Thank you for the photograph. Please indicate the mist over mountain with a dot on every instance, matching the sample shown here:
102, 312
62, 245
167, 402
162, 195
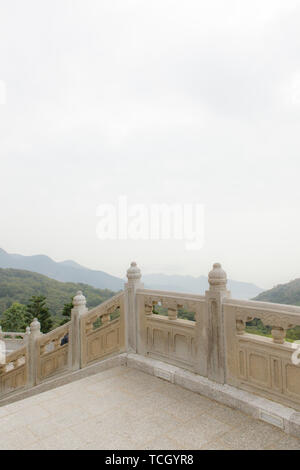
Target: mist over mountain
65, 271
198, 285
70, 271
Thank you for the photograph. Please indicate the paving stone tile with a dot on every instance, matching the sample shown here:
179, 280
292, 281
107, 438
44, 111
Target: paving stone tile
285, 442
124, 408
65, 440
149, 428
18, 439
198, 431
229, 416
253, 436
26, 416
45, 428
106, 374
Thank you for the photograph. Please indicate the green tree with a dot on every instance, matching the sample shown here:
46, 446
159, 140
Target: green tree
37, 308
66, 313
14, 318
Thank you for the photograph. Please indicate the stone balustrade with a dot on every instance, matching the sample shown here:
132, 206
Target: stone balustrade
13, 340
103, 330
212, 343
257, 363
52, 351
13, 373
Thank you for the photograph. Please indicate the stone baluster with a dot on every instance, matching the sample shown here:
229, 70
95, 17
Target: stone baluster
16, 362
57, 342
79, 308
43, 348
240, 326
278, 334
105, 318
148, 306
172, 307
89, 326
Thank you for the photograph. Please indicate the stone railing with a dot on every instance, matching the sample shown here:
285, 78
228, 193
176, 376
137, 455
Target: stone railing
167, 337
13, 374
102, 330
53, 352
88, 337
258, 363
13, 340
214, 344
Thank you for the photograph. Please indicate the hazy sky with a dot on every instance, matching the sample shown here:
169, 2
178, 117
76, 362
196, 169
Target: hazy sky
161, 101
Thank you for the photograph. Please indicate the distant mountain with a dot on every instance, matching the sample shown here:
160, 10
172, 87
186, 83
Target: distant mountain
65, 271
70, 271
18, 286
197, 285
288, 293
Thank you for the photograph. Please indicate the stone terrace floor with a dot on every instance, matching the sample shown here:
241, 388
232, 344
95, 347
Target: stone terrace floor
123, 408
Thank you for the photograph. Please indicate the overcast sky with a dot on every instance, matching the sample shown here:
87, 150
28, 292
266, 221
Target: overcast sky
161, 101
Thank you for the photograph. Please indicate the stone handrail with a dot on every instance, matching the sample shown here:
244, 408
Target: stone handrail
257, 363
100, 338
103, 310
58, 352
13, 335
54, 336
13, 374
214, 344
175, 295
52, 352
279, 317
14, 360
13, 340
172, 301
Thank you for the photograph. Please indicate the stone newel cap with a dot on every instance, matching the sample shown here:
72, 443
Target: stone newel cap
35, 325
134, 272
217, 277
79, 299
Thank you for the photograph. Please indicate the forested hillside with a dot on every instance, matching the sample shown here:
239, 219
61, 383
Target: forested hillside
288, 293
19, 286
282, 294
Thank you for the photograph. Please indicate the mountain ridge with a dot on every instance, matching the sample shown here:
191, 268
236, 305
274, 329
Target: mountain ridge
287, 293
18, 285
65, 271
198, 285
70, 271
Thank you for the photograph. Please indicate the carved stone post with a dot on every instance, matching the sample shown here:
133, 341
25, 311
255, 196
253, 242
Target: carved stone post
79, 308
31, 340
278, 334
217, 279
131, 309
